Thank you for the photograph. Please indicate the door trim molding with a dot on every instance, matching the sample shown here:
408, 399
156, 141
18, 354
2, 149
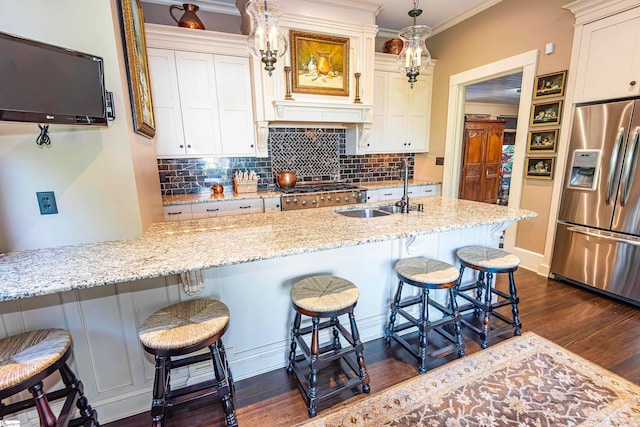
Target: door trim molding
527, 63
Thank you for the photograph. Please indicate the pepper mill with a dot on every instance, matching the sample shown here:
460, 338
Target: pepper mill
189, 19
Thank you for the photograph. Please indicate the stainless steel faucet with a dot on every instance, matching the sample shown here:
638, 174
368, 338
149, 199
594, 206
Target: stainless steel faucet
404, 202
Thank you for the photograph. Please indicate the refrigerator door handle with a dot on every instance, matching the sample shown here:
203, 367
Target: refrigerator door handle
630, 164
614, 165
605, 235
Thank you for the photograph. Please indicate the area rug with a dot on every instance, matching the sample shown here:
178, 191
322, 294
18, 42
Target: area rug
523, 381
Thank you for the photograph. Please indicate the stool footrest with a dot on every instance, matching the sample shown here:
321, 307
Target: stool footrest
440, 352
196, 391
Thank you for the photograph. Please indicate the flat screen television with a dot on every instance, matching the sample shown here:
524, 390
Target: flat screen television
42, 83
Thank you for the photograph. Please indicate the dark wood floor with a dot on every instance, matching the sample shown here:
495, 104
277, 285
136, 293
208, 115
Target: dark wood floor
595, 327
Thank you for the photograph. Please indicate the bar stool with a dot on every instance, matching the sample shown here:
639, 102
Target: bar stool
325, 297
25, 361
180, 329
489, 261
426, 274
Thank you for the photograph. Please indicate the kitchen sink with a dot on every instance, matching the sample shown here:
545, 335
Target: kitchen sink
389, 208
364, 213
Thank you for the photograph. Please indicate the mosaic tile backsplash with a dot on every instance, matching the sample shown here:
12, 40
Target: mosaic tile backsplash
313, 153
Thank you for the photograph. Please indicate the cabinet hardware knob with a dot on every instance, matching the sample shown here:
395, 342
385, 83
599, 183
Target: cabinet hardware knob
632, 83
181, 146
188, 145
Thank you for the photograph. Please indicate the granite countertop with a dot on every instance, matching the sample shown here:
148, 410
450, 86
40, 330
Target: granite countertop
183, 199
238, 239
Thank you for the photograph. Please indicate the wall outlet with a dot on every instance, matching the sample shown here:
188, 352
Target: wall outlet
439, 160
47, 202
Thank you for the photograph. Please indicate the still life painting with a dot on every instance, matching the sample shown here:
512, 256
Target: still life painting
546, 114
549, 85
320, 63
539, 167
543, 141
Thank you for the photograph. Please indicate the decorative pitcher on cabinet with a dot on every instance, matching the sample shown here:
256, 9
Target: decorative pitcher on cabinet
189, 18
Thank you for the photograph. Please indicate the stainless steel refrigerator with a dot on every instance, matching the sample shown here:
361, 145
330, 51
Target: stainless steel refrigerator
598, 234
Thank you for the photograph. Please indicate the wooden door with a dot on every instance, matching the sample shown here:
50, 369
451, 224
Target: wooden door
481, 160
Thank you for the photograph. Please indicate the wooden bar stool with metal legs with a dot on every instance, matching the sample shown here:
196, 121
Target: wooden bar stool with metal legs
181, 329
488, 262
325, 297
428, 275
25, 361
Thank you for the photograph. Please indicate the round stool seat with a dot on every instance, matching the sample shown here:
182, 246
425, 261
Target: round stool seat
489, 258
323, 294
184, 324
25, 355
428, 272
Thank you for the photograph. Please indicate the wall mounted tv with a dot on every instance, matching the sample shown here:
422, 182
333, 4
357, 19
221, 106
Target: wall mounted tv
42, 83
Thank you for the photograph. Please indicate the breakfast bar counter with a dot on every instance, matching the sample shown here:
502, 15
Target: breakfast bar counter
102, 292
238, 239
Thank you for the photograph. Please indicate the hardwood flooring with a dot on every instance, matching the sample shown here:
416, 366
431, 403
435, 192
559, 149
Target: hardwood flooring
600, 329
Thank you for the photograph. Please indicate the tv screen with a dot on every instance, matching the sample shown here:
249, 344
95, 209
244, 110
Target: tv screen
42, 83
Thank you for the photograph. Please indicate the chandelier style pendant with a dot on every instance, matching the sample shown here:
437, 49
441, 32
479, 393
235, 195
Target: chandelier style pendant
415, 56
266, 41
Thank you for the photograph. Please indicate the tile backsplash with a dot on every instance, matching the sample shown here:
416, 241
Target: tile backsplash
313, 153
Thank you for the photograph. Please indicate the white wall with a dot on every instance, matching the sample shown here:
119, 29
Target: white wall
91, 170
492, 109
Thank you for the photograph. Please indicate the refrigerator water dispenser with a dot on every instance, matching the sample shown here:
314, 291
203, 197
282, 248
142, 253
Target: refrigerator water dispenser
585, 167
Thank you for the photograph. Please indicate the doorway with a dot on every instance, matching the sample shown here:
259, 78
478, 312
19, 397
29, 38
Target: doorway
526, 63
491, 115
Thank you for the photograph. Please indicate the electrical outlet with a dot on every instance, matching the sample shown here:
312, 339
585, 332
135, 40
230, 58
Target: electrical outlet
47, 202
439, 161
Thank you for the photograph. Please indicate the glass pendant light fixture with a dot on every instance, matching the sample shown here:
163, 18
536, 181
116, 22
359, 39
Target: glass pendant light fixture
266, 41
415, 56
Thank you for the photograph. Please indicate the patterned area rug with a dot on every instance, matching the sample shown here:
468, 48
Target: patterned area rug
523, 381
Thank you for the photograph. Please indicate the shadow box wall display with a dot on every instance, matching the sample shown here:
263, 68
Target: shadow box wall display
320, 63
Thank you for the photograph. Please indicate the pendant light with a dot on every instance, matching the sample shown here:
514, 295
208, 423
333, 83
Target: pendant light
415, 56
266, 41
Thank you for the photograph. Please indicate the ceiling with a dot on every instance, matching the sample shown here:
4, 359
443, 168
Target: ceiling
438, 14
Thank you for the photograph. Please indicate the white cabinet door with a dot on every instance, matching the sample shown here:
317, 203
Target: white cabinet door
272, 204
177, 212
609, 58
233, 77
203, 104
166, 102
401, 115
199, 102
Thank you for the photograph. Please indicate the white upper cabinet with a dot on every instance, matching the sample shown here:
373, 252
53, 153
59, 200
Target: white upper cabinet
401, 115
202, 93
609, 58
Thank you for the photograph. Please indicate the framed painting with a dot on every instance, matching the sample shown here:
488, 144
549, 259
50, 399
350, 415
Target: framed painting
546, 114
550, 85
135, 47
320, 63
539, 167
543, 141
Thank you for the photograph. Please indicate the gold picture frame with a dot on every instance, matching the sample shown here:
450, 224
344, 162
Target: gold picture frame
546, 113
132, 24
542, 141
539, 167
320, 63
550, 85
